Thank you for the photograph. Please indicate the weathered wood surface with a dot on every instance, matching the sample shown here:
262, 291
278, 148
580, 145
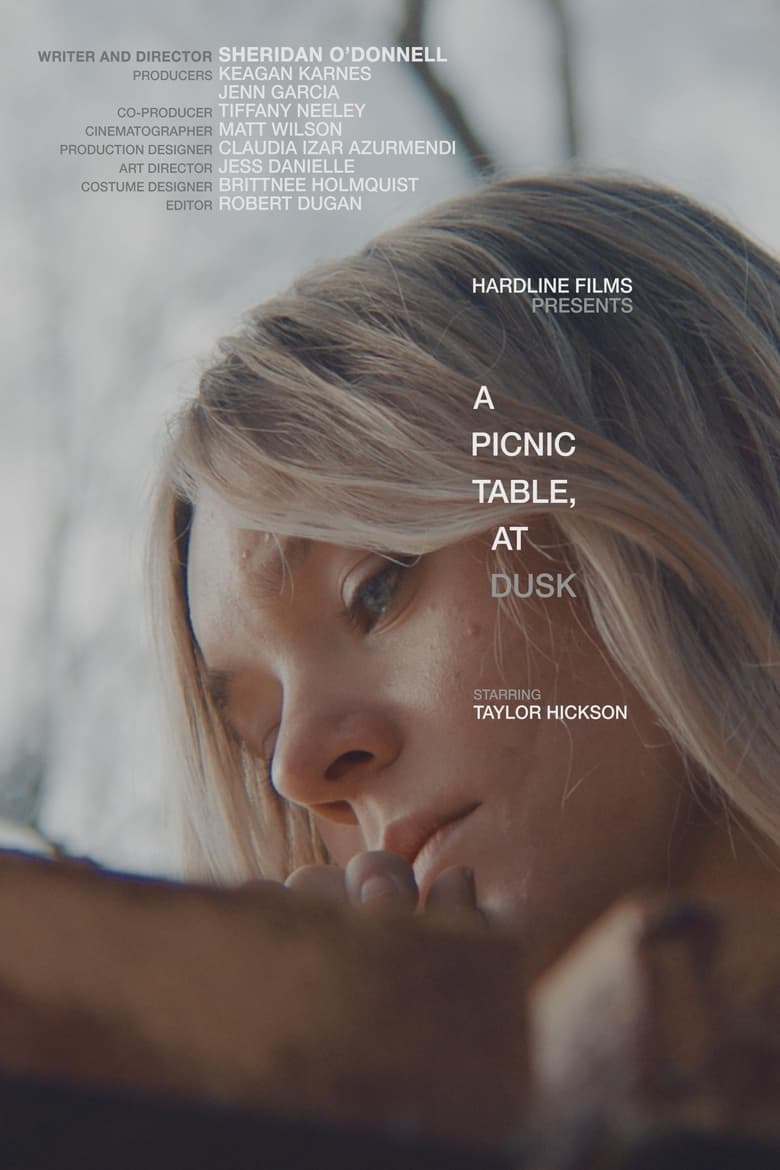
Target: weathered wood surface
152, 1024
664, 1018
256, 998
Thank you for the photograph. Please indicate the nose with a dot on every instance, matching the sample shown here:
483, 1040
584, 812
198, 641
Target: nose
326, 754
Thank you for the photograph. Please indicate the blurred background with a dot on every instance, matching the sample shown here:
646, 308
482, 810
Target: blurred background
112, 305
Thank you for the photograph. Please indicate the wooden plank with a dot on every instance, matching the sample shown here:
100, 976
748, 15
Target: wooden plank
258, 999
663, 1019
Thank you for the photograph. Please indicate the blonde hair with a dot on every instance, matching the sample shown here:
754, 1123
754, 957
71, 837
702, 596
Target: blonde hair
343, 411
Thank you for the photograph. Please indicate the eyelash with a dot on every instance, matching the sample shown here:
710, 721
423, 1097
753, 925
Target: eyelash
361, 613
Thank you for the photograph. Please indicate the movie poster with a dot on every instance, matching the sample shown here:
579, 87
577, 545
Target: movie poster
169, 166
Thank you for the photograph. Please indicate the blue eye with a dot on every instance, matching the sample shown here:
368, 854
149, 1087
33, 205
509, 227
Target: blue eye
376, 594
374, 597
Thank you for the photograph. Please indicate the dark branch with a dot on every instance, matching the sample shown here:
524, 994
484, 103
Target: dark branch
562, 23
443, 99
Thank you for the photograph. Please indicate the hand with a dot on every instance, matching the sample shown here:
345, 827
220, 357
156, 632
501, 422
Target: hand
379, 881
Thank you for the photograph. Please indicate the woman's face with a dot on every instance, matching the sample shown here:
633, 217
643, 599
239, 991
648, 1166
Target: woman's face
356, 677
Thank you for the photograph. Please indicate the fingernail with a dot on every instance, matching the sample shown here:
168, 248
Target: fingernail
378, 886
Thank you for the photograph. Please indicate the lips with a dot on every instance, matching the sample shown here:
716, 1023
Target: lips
419, 839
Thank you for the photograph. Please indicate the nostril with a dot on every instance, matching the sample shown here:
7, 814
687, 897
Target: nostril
346, 762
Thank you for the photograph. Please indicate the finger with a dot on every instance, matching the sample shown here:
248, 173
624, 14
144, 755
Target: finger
454, 896
319, 881
379, 880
